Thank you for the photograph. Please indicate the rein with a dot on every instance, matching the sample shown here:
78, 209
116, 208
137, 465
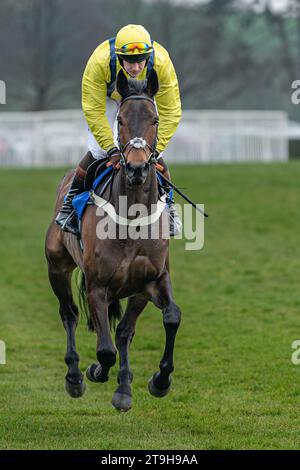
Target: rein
137, 142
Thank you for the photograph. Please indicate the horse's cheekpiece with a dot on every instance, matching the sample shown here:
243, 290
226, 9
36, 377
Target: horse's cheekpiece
138, 142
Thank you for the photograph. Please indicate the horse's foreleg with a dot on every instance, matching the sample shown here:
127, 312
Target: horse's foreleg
162, 297
61, 285
125, 331
105, 350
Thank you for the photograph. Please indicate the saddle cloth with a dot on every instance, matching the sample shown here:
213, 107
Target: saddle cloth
81, 200
100, 184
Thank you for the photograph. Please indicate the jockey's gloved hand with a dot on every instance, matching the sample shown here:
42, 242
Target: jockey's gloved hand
161, 164
114, 156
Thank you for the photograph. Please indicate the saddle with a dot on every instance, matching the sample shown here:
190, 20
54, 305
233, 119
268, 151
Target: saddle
93, 171
98, 177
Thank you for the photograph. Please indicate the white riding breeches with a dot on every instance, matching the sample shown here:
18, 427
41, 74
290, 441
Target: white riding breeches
93, 145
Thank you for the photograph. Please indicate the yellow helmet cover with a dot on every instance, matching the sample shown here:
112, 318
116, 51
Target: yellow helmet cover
133, 43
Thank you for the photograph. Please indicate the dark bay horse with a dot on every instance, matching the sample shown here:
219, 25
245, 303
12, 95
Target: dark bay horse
115, 268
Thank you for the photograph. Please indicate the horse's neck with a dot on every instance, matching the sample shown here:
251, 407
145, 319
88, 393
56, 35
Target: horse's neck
146, 194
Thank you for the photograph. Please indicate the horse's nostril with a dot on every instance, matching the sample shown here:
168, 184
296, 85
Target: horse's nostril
137, 170
129, 170
145, 169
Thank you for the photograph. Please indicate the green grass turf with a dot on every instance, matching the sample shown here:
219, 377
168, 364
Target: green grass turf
234, 385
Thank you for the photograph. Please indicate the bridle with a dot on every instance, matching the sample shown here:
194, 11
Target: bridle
137, 142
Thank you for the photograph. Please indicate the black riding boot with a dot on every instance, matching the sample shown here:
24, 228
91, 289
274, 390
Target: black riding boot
67, 218
175, 222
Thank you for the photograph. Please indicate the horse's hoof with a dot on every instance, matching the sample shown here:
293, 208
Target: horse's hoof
75, 390
121, 399
94, 372
158, 392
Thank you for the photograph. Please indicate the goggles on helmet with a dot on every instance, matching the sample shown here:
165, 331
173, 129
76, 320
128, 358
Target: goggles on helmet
134, 48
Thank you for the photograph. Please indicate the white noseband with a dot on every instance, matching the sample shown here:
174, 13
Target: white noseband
138, 143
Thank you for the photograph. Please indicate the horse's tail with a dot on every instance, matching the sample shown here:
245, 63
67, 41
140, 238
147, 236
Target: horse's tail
115, 311
82, 298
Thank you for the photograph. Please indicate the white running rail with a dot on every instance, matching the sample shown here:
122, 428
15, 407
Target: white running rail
59, 138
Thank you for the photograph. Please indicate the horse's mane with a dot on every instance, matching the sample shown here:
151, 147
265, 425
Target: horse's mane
136, 87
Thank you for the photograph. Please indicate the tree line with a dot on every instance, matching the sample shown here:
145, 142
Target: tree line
228, 54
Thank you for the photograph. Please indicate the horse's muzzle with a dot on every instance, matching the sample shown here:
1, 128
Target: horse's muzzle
137, 172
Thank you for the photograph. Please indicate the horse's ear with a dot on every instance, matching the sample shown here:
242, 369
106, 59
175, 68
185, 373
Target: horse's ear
122, 84
152, 84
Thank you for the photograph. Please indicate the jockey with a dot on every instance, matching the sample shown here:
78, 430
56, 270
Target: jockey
98, 83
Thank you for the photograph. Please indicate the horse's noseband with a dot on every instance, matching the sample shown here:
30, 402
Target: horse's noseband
138, 143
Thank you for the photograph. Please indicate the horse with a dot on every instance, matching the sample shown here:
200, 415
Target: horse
115, 268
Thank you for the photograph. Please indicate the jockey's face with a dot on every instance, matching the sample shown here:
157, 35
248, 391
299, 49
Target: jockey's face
134, 68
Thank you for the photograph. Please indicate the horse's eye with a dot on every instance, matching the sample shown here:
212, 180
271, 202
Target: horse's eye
120, 121
155, 122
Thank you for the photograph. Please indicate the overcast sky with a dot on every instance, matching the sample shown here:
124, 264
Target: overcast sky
277, 5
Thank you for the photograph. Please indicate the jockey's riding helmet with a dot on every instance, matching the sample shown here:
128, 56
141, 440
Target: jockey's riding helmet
133, 43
